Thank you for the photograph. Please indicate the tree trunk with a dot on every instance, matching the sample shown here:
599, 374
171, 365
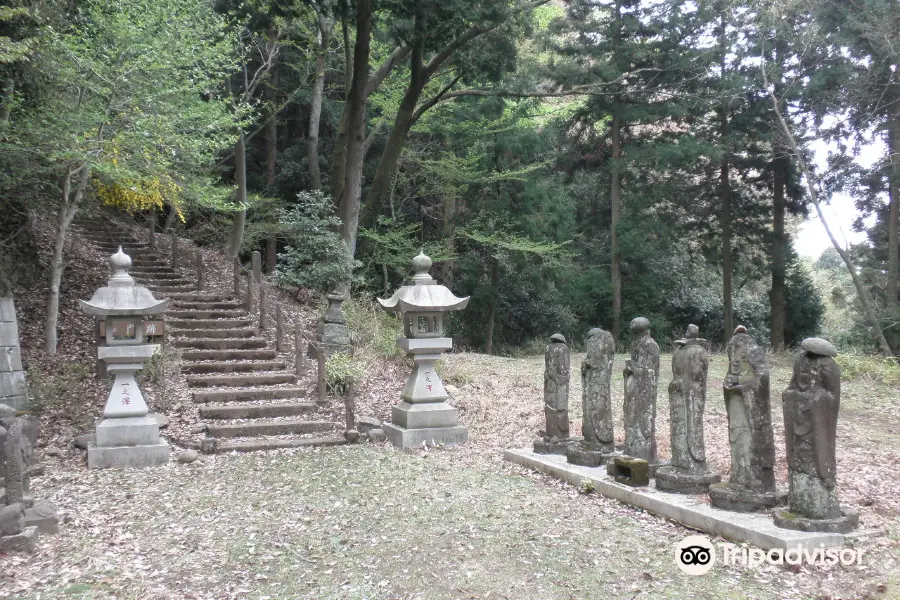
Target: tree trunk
272, 132
777, 298
615, 197
492, 312
71, 199
893, 217
152, 227
352, 189
725, 193
862, 291
403, 122
338, 171
448, 266
170, 219
323, 36
727, 267
271, 253
240, 217
9, 88
615, 193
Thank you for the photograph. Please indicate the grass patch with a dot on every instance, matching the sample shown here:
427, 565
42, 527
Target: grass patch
875, 368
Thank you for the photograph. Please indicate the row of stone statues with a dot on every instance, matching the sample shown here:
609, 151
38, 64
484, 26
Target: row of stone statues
21, 518
810, 415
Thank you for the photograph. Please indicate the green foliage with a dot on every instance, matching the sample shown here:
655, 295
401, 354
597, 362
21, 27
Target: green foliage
59, 394
587, 486
163, 368
132, 91
373, 331
341, 370
316, 257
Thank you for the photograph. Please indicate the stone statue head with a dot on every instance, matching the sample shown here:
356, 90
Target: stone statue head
640, 325
692, 332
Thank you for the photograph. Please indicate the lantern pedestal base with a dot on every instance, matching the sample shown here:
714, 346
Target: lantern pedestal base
131, 442
402, 437
127, 457
424, 416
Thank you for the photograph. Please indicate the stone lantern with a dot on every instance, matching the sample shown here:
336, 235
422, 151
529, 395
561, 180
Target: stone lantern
424, 414
127, 436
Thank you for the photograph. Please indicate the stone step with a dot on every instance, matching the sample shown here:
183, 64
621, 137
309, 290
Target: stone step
228, 355
242, 380
208, 323
254, 445
165, 290
233, 367
153, 271
268, 427
165, 283
193, 305
165, 286
225, 344
257, 411
213, 333
249, 394
199, 296
126, 246
157, 276
206, 314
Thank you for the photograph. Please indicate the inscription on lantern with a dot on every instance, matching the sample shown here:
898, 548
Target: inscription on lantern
123, 330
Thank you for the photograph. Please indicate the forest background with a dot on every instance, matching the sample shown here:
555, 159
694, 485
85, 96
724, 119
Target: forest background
567, 164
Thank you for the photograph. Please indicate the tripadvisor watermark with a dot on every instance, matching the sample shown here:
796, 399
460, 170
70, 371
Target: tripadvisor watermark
696, 555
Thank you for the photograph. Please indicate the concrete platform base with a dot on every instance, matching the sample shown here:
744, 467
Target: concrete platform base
430, 436
127, 457
847, 522
692, 511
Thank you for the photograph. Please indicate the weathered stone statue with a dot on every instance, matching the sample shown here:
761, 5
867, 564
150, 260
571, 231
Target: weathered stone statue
596, 419
811, 405
641, 377
556, 398
687, 472
751, 485
20, 517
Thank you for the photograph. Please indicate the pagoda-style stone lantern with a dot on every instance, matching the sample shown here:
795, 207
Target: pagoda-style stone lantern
127, 436
424, 414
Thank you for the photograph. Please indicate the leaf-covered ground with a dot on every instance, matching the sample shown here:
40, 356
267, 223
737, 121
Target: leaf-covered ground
356, 522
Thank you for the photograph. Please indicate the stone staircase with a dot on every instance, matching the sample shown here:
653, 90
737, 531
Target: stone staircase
247, 397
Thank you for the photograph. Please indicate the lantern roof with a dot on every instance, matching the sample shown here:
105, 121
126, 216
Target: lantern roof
121, 296
422, 292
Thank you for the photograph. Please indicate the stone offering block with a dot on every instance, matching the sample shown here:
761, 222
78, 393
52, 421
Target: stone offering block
631, 471
847, 522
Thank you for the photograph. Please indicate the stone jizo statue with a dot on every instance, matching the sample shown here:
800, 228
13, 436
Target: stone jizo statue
596, 404
556, 398
20, 517
687, 471
810, 405
641, 376
751, 485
